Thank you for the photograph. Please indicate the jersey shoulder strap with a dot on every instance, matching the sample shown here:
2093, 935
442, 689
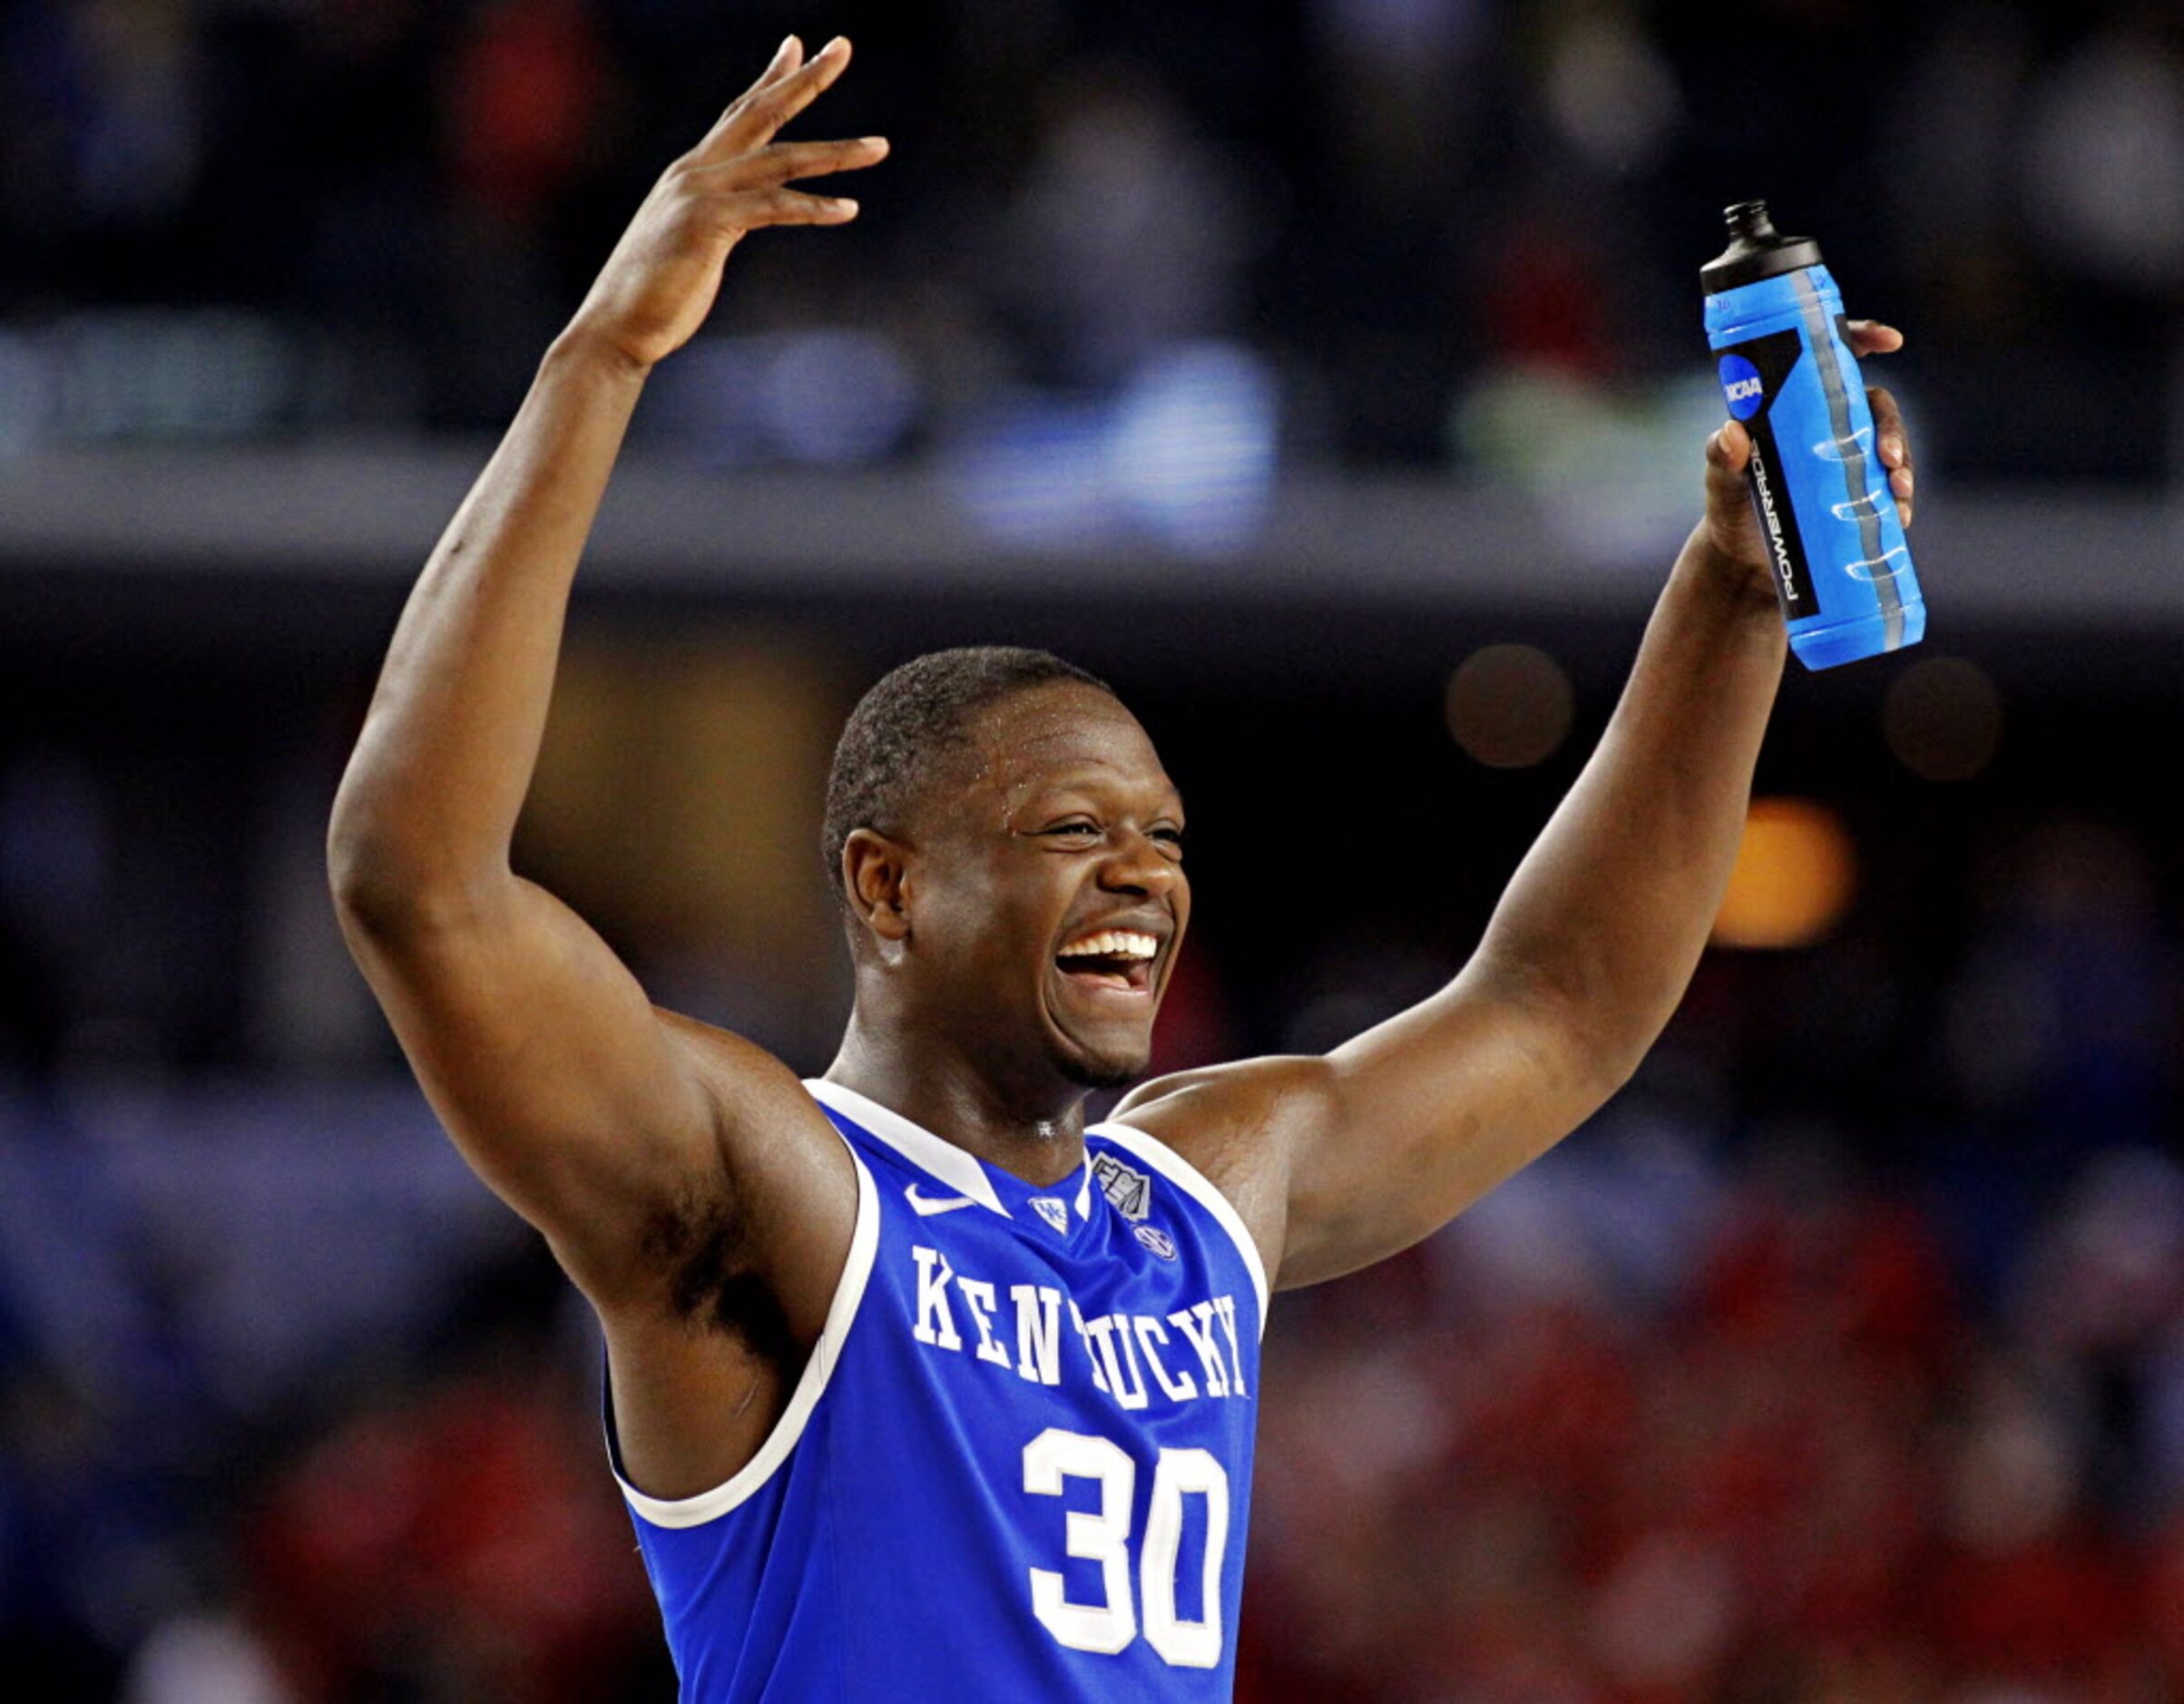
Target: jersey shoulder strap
1195, 1184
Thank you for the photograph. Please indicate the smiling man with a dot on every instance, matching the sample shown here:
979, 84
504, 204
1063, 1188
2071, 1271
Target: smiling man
918, 1387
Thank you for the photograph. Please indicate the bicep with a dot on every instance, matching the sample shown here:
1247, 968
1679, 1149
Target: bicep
563, 1088
1421, 1115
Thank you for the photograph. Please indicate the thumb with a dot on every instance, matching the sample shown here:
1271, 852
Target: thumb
1729, 501
1727, 453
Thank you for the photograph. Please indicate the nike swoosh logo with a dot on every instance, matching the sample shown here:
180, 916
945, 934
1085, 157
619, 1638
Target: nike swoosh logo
926, 1205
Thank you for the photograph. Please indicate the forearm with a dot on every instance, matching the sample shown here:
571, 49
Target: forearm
1594, 940
1608, 913
430, 800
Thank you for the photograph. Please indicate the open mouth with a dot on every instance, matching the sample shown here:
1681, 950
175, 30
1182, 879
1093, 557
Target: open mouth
1119, 959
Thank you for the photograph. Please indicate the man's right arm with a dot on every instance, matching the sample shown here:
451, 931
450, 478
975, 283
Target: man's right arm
604, 1122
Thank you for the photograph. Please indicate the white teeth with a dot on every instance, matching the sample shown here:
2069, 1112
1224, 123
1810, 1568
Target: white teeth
1113, 944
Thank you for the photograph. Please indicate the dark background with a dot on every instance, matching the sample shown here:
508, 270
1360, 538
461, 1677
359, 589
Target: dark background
1327, 375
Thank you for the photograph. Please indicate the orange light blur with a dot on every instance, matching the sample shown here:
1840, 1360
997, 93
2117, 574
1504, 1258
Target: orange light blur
1795, 874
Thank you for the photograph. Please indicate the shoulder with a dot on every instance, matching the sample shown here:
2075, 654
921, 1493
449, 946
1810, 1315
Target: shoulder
1237, 1125
1210, 1107
754, 1100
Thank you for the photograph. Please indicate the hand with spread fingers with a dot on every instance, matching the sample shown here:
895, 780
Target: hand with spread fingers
660, 282
1731, 526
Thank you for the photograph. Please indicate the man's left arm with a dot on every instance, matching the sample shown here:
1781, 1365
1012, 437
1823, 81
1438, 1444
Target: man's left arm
1338, 1161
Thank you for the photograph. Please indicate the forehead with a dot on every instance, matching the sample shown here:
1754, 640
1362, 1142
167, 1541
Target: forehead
1061, 733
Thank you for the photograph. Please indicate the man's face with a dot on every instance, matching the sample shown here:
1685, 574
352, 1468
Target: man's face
1047, 897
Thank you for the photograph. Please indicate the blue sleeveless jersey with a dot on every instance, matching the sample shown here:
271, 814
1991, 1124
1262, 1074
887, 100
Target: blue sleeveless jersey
1018, 1463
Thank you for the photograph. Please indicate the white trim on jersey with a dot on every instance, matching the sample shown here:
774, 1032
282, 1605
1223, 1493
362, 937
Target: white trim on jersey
952, 1165
841, 1314
1186, 1177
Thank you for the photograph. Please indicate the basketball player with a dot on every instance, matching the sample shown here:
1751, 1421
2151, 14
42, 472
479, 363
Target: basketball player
917, 1387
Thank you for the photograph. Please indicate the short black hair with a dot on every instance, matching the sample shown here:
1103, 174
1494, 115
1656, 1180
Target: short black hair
913, 716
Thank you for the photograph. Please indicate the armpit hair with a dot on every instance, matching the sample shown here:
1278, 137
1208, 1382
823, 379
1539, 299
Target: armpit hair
701, 1243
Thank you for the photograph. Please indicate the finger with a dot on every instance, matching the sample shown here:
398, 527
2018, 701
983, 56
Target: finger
1729, 506
787, 58
1888, 427
752, 210
1728, 452
784, 162
788, 62
752, 122
1870, 337
790, 58
1894, 446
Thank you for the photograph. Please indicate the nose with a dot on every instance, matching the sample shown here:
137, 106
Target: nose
1137, 866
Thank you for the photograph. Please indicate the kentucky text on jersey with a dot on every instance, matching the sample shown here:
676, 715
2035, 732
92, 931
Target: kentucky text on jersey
1114, 1344
1018, 1463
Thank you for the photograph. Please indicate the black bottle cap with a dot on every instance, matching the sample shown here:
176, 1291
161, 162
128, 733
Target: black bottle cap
1757, 251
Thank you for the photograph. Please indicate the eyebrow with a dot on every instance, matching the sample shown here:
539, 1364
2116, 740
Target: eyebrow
1084, 771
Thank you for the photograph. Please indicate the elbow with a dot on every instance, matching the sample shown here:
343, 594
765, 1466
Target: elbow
351, 850
1613, 1073
387, 883
1593, 1032
1603, 1046
366, 876
1611, 1050
366, 899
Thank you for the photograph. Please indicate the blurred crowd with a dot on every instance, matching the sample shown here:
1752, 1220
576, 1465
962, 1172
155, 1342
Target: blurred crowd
1818, 1467
1841, 1358
1431, 223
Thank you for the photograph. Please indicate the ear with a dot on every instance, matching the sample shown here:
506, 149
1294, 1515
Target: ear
876, 875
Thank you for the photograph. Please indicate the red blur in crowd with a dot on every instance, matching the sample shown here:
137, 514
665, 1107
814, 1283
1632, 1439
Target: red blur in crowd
466, 1542
524, 95
1813, 1478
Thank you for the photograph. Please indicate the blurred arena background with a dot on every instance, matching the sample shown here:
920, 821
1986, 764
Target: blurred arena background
1328, 374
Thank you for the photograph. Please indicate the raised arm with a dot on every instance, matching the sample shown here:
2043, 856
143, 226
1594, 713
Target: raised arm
1340, 1161
605, 1123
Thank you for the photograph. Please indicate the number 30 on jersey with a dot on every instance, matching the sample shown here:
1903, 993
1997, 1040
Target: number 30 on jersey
1103, 1537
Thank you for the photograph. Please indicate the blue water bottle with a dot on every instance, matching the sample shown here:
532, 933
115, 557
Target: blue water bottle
1842, 566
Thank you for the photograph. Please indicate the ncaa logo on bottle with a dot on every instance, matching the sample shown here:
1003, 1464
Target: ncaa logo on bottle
1741, 384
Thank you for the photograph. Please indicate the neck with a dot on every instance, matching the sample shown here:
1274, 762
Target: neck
1035, 1132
